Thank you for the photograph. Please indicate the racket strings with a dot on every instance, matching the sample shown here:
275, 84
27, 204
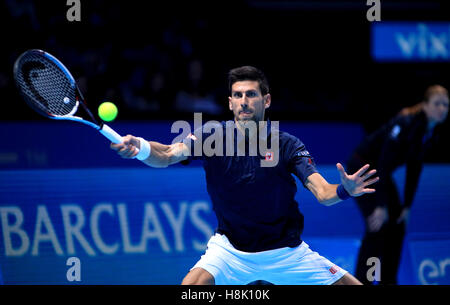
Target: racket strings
46, 86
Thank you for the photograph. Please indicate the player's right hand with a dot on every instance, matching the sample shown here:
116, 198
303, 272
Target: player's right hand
128, 149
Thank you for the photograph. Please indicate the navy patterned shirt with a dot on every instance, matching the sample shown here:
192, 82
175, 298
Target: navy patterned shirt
254, 204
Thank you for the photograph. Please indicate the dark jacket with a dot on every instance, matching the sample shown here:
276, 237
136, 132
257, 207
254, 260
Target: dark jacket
403, 140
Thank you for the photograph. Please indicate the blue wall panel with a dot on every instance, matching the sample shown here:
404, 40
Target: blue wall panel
64, 193
51, 144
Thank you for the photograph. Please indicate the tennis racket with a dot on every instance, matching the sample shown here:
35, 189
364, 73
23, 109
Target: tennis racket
48, 87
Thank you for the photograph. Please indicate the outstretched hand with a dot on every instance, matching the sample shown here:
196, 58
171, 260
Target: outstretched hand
356, 184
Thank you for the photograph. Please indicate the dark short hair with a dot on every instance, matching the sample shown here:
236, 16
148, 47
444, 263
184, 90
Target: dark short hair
248, 73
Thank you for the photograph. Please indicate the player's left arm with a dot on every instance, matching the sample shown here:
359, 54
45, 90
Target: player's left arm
355, 185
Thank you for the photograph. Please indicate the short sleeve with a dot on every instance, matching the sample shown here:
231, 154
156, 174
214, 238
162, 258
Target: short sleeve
194, 141
301, 163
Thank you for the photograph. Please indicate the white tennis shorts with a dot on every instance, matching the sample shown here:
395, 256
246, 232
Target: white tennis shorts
284, 266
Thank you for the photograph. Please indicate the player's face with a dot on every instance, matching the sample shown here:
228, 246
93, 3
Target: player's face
437, 108
247, 102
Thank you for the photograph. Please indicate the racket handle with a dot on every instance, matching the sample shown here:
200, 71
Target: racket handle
110, 134
113, 136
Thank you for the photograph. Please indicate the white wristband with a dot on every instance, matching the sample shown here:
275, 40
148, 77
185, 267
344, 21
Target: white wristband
144, 150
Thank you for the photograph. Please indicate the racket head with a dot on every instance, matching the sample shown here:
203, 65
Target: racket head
46, 84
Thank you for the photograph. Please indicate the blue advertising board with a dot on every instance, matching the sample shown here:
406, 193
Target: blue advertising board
410, 41
67, 196
125, 226
142, 225
430, 257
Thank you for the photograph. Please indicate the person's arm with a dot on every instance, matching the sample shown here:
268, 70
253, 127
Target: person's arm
325, 193
303, 166
161, 155
411, 110
354, 185
413, 170
392, 137
395, 139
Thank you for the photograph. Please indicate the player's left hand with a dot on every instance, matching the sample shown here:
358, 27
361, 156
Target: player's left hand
356, 184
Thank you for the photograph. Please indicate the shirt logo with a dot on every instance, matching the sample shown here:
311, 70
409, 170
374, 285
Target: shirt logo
334, 269
303, 153
192, 137
269, 156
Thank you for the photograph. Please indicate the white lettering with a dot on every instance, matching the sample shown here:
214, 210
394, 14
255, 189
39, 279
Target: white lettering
200, 224
433, 274
123, 222
42, 218
426, 43
74, 230
95, 215
15, 228
176, 223
150, 217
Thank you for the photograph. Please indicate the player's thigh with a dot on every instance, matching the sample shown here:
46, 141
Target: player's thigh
198, 276
302, 266
347, 279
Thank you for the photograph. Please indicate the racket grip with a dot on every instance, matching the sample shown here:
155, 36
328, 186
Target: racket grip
109, 133
113, 136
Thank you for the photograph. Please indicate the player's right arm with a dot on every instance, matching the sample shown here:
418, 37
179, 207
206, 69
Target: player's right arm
161, 155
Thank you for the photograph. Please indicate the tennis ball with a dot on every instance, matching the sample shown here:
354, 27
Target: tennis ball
107, 111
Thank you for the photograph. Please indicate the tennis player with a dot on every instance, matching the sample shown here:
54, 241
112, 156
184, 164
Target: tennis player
259, 224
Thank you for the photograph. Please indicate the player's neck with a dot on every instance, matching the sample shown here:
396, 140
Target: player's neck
244, 127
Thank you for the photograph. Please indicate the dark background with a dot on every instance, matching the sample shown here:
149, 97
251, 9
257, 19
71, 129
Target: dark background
150, 57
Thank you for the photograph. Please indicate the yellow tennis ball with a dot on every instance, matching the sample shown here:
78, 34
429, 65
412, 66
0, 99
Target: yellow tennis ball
107, 111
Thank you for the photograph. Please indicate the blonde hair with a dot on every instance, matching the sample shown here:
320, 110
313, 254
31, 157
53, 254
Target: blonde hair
434, 90
431, 91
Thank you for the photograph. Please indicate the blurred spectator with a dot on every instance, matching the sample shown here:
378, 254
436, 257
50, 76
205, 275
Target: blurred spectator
113, 38
133, 91
196, 96
145, 90
24, 10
